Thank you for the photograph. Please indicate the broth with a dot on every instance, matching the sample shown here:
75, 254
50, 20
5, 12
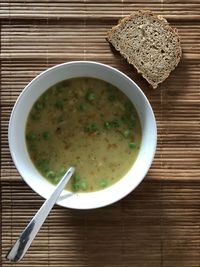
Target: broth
86, 123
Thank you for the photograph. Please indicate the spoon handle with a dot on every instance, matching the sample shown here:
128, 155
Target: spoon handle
24, 241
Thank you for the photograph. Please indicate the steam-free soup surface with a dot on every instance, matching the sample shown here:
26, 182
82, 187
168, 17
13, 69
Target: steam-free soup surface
86, 123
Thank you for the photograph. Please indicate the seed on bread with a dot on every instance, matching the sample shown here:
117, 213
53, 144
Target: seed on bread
148, 43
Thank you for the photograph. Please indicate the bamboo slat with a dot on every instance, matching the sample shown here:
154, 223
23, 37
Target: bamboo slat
175, 10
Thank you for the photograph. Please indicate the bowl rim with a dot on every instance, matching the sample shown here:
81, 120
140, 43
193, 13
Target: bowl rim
118, 72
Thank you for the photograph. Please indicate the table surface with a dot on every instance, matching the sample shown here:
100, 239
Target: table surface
158, 225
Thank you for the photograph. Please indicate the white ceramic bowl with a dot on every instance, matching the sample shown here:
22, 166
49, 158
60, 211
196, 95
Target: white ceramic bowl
52, 76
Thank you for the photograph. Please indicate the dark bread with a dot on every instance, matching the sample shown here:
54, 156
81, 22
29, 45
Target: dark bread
148, 43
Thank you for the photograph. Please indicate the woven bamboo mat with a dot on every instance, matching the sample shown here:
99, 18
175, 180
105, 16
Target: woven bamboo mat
159, 224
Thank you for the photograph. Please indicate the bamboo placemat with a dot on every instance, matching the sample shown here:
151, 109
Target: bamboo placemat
158, 224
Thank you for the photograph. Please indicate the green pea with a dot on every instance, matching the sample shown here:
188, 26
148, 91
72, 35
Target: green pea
128, 119
75, 186
62, 171
83, 107
103, 183
126, 133
51, 174
76, 177
90, 96
107, 125
46, 135
45, 96
31, 136
132, 145
39, 106
132, 117
56, 179
132, 121
32, 147
35, 116
83, 185
43, 165
90, 128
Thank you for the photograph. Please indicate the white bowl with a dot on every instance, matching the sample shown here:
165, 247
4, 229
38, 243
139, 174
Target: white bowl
52, 76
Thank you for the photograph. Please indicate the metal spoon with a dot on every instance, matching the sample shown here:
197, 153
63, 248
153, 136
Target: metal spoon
24, 241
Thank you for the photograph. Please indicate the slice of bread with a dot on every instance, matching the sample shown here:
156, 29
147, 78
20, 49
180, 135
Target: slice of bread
148, 43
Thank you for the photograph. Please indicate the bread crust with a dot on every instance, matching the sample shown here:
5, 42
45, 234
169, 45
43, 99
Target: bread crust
141, 13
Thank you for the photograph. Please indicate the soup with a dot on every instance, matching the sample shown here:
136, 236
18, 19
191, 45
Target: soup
86, 123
